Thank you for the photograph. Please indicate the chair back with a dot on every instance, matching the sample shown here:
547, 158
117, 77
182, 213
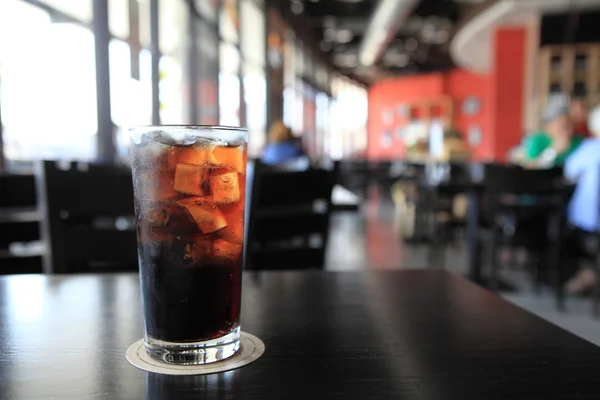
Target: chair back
354, 175
528, 194
289, 218
88, 218
511, 179
19, 223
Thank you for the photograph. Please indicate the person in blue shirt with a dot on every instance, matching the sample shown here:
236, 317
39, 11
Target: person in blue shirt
282, 146
583, 167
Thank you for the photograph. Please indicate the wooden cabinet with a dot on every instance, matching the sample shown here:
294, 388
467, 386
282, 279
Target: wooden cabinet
571, 70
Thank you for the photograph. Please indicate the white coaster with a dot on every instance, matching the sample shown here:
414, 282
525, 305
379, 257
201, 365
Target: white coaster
251, 348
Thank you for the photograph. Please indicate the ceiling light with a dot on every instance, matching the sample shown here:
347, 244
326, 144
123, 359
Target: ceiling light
297, 8
402, 60
442, 37
344, 36
346, 60
382, 27
393, 59
411, 44
428, 32
325, 45
329, 34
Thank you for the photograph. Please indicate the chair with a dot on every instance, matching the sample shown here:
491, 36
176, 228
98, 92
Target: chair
354, 175
410, 215
525, 208
444, 201
289, 218
20, 250
88, 222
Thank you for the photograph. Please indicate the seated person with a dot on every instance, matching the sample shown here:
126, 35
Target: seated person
282, 146
552, 146
583, 167
579, 116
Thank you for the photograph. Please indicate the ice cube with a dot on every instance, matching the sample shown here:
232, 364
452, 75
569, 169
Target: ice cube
225, 187
172, 158
231, 158
226, 253
198, 249
180, 221
205, 213
148, 155
197, 156
191, 179
234, 231
174, 137
154, 185
155, 214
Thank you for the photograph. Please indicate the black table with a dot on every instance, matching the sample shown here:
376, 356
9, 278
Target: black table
380, 335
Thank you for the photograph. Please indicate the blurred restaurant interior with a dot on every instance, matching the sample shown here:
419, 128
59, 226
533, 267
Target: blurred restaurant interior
453, 134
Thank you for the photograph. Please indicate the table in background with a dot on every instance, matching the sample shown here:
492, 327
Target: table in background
378, 335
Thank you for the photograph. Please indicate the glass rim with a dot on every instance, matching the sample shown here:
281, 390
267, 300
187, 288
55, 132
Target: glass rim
219, 132
194, 127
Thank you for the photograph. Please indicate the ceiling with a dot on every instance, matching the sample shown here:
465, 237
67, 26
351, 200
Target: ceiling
421, 43
575, 27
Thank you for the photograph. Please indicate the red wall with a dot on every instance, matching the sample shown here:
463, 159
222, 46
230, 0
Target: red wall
457, 84
461, 85
500, 93
388, 94
509, 80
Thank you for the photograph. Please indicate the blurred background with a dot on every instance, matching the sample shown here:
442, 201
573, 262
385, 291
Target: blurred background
412, 104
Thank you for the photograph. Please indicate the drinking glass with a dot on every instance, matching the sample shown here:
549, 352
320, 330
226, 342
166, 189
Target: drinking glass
189, 188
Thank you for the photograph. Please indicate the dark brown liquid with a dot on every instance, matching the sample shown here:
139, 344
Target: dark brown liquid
189, 203
187, 303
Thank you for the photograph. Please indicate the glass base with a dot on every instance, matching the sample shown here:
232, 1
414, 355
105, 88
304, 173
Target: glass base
205, 352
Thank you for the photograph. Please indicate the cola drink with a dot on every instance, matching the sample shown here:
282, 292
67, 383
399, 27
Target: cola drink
190, 187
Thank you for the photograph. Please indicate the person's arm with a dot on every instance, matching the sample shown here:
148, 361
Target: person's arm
535, 146
578, 161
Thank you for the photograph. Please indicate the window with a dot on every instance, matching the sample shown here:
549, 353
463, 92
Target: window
255, 96
173, 41
254, 78
253, 33
48, 78
78, 9
208, 74
229, 24
131, 99
207, 8
349, 113
118, 18
229, 85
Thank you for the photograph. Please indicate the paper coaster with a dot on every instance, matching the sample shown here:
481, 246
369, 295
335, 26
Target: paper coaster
251, 348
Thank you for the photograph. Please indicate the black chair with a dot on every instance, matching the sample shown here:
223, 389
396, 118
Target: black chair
596, 294
438, 191
525, 208
409, 201
19, 223
354, 175
88, 222
582, 245
289, 218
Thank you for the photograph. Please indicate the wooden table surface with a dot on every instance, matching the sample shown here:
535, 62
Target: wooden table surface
378, 335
